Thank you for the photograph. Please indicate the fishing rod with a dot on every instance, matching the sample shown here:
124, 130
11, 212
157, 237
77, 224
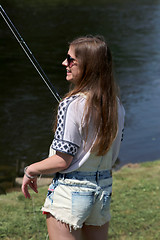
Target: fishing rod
29, 54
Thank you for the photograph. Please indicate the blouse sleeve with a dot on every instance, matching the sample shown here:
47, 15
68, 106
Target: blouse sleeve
67, 137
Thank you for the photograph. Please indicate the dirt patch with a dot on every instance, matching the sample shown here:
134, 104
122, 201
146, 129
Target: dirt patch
131, 165
41, 182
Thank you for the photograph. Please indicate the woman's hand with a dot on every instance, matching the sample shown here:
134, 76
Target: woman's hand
32, 183
53, 164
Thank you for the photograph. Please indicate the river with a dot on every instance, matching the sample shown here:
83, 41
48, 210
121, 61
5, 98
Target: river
27, 107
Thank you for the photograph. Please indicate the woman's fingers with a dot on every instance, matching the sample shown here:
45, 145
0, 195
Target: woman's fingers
25, 191
32, 183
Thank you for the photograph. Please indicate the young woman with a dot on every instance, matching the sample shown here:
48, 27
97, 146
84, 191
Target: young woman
86, 144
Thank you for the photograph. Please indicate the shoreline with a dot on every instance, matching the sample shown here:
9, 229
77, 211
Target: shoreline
43, 181
46, 180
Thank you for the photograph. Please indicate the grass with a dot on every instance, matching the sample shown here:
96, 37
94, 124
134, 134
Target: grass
135, 208
136, 203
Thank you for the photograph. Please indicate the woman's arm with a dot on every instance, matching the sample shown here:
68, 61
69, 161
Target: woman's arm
53, 164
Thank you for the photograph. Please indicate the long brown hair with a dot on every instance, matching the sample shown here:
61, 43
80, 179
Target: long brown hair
95, 59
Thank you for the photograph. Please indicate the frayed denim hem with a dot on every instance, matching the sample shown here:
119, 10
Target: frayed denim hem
71, 226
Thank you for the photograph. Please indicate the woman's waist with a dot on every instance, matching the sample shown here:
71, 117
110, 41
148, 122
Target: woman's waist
86, 175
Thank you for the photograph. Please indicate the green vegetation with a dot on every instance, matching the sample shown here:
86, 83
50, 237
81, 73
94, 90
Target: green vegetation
136, 202
7, 177
135, 207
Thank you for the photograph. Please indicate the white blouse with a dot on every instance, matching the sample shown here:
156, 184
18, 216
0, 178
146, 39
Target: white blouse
70, 136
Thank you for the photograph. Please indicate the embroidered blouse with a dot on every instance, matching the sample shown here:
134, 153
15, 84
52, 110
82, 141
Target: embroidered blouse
70, 136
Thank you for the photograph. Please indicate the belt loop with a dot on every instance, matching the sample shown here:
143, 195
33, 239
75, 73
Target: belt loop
63, 176
97, 176
57, 175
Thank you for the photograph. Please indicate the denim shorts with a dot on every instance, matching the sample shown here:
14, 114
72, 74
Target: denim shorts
79, 198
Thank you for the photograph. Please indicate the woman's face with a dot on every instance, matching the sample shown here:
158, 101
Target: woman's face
72, 67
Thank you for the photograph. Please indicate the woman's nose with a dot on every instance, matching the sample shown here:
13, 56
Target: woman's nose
65, 63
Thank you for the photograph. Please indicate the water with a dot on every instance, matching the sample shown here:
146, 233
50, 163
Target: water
27, 108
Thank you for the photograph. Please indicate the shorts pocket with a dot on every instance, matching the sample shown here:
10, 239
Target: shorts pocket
82, 203
51, 189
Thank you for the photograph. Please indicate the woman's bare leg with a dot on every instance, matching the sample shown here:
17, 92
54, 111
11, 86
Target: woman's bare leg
95, 232
61, 231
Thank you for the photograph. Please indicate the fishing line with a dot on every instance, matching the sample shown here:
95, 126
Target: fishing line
29, 54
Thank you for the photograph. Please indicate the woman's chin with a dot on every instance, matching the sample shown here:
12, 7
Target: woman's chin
69, 79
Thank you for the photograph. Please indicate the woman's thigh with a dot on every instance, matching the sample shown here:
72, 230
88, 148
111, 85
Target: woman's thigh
95, 232
61, 231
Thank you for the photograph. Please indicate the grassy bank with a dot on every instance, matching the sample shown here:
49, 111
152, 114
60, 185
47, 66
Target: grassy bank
135, 207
